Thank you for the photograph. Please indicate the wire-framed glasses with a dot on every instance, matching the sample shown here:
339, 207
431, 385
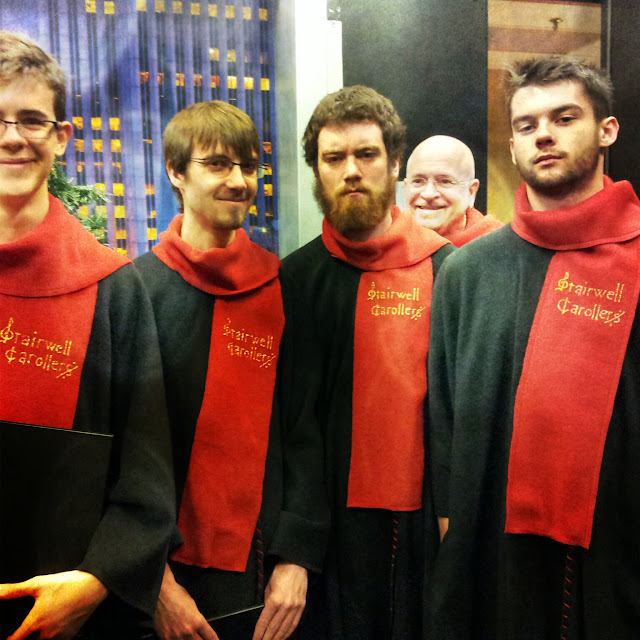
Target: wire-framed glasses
34, 128
222, 166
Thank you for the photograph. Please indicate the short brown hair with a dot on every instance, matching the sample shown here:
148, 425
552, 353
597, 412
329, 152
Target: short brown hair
20, 57
355, 104
206, 124
551, 69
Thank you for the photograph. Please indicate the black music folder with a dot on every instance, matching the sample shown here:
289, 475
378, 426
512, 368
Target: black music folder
52, 488
238, 625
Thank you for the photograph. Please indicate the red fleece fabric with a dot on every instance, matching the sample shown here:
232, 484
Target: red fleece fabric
223, 491
389, 362
48, 288
477, 225
573, 360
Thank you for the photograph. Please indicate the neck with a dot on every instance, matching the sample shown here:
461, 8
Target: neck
204, 237
378, 230
18, 216
544, 201
458, 225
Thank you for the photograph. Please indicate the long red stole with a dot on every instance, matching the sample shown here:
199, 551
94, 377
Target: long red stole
223, 491
477, 225
573, 360
389, 361
48, 288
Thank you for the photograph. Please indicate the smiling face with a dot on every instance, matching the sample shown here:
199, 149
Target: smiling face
557, 139
355, 184
25, 163
211, 202
440, 186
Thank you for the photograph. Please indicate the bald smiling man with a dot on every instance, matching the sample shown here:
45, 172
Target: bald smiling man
441, 187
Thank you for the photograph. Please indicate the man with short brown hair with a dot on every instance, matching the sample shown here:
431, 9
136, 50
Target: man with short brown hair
360, 296
79, 353
250, 511
533, 374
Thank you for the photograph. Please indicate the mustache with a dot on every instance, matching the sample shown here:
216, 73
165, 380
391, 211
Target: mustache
347, 190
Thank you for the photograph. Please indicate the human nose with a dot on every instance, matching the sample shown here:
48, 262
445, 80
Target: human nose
544, 135
9, 132
428, 189
351, 168
236, 179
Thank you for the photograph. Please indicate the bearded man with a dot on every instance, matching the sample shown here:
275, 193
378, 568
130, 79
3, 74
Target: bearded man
360, 299
534, 469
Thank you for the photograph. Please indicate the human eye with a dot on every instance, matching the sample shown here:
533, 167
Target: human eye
445, 182
332, 158
218, 164
418, 182
367, 154
249, 168
525, 127
32, 123
566, 118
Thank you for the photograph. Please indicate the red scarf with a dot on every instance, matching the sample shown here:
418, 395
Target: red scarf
389, 361
223, 491
573, 360
477, 225
48, 287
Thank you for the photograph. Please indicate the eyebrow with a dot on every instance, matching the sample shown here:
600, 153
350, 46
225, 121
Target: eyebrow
570, 106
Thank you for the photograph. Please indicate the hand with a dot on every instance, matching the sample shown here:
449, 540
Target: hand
285, 598
177, 615
63, 602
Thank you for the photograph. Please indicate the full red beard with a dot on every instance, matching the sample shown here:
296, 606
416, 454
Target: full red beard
348, 216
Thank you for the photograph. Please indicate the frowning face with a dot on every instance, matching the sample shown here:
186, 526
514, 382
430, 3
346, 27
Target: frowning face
355, 184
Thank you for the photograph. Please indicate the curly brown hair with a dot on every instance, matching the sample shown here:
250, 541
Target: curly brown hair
355, 104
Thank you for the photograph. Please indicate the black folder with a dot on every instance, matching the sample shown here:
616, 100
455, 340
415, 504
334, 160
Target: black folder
238, 625
52, 489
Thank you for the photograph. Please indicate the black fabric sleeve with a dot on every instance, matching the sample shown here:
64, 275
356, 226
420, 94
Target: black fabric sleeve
122, 393
302, 531
440, 376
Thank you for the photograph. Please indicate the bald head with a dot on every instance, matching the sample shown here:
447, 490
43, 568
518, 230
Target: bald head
440, 185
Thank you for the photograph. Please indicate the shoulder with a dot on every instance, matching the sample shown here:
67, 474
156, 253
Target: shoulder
305, 257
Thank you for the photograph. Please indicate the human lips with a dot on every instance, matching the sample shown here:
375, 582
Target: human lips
547, 157
15, 161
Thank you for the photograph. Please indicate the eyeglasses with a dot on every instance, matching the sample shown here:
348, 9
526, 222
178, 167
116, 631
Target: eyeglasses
30, 127
440, 184
222, 166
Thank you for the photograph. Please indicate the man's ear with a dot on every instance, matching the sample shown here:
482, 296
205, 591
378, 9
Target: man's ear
396, 168
176, 179
473, 190
64, 131
513, 157
609, 128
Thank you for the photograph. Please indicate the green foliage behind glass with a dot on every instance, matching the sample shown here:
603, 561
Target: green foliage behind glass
74, 196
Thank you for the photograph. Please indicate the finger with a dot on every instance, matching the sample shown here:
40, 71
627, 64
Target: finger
17, 590
263, 621
25, 629
207, 633
273, 629
289, 624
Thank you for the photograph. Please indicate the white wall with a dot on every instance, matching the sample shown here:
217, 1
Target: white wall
308, 53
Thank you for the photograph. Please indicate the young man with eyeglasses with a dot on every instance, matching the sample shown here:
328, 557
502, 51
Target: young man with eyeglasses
78, 352
247, 498
440, 189
361, 329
